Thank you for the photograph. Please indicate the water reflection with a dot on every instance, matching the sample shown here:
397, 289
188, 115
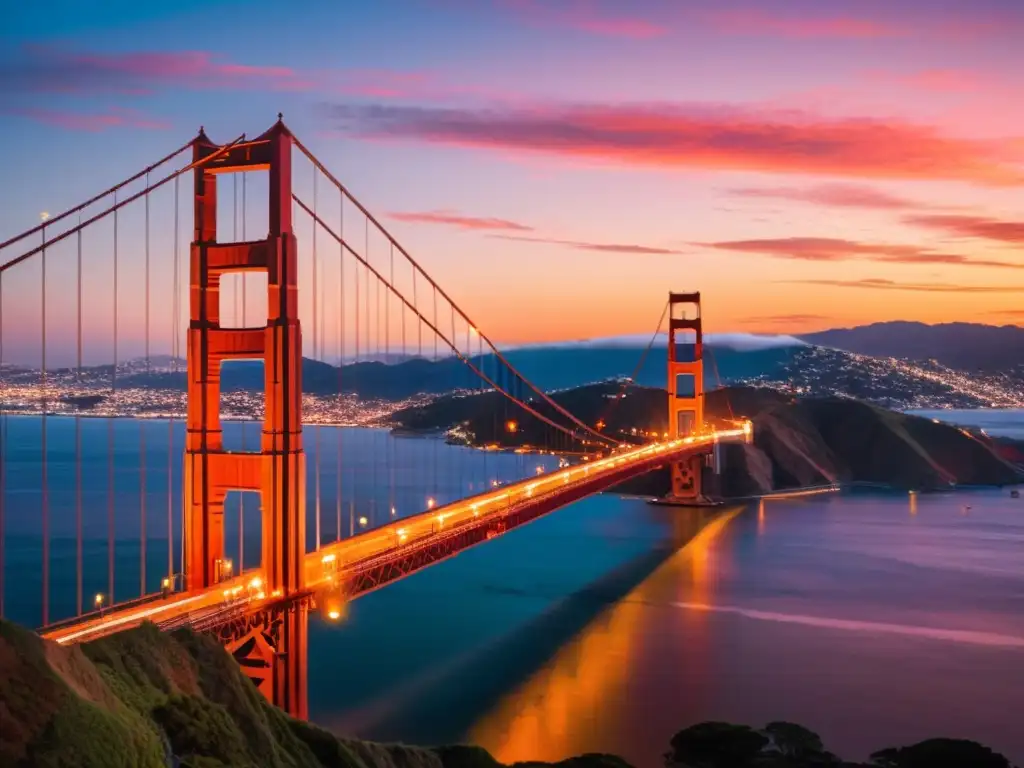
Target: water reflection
584, 690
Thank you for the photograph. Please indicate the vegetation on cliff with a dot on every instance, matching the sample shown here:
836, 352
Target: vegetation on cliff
797, 442
145, 698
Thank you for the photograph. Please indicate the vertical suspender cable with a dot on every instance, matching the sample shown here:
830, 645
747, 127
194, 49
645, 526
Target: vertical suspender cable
341, 342
316, 324
3, 449
142, 429
175, 351
419, 326
366, 287
78, 444
45, 487
110, 439
387, 351
243, 277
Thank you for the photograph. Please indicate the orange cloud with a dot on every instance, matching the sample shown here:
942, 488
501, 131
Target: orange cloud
628, 248
835, 195
891, 285
458, 220
973, 226
837, 249
795, 319
695, 136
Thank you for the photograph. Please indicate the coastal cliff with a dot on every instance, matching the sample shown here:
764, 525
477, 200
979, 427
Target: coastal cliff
798, 442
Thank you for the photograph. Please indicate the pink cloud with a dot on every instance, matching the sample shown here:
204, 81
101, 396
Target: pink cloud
46, 68
626, 248
941, 80
829, 249
460, 221
713, 136
834, 195
92, 122
753, 22
973, 226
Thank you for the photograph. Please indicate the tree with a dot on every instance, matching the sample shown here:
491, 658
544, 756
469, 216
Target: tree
716, 745
940, 753
794, 740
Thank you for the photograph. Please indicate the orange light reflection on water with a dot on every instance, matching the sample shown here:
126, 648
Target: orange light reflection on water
581, 690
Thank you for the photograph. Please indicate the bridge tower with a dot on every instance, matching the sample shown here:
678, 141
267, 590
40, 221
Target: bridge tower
277, 470
685, 388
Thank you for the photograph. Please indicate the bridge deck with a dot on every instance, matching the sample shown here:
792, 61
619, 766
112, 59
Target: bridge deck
360, 564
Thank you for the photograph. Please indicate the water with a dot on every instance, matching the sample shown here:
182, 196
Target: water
379, 473
876, 620
998, 422
872, 621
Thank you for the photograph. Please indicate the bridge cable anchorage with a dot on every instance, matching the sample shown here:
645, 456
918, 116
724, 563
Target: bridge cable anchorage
95, 198
611, 406
78, 438
118, 205
416, 266
528, 408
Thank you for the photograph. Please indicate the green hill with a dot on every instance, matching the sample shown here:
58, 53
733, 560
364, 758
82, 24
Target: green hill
144, 699
797, 441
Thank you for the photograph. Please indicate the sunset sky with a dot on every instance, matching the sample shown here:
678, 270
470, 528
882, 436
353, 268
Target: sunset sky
560, 165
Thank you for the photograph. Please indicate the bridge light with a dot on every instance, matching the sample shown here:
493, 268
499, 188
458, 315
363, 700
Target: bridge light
430, 503
256, 583
511, 425
334, 614
600, 424
402, 535
99, 600
393, 512
540, 470
363, 521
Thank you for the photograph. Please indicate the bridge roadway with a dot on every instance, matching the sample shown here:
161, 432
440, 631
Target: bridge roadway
357, 565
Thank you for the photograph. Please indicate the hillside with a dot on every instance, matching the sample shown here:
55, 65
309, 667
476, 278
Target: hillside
967, 346
146, 699
797, 442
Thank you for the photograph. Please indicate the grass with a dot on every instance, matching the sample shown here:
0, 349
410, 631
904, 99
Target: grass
144, 698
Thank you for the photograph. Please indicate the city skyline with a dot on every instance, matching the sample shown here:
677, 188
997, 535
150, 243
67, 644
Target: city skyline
868, 169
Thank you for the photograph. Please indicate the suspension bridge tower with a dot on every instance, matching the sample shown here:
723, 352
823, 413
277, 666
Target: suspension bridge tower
277, 470
685, 389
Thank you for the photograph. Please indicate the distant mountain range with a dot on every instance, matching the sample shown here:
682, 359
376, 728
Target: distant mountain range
550, 368
967, 346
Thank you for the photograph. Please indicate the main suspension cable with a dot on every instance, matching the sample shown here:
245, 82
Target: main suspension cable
370, 218
525, 406
611, 406
118, 205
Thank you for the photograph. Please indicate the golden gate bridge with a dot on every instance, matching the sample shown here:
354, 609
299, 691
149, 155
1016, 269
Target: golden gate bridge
260, 612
